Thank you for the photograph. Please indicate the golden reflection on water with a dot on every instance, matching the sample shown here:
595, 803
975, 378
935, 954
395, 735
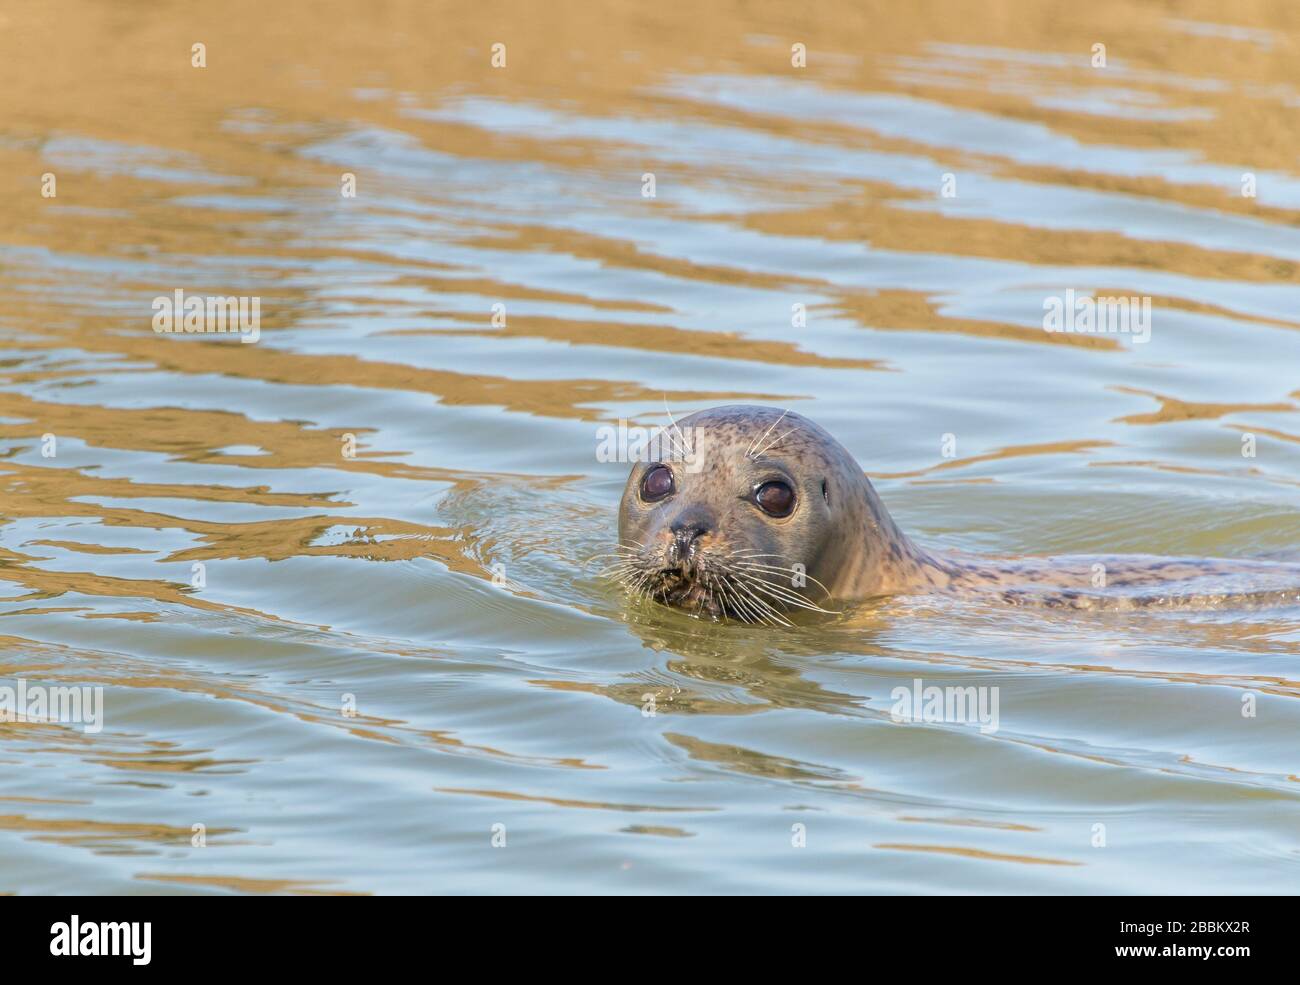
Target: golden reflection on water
349, 669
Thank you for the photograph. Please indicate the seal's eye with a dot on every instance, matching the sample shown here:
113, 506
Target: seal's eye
775, 498
656, 483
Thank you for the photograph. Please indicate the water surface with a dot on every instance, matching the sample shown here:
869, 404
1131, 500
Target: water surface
397, 660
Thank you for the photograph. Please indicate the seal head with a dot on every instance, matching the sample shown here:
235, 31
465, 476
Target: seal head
751, 513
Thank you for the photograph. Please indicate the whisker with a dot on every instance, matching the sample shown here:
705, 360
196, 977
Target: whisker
601, 557
729, 598
764, 606
618, 549
774, 569
781, 595
617, 571
772, 444
754, 444
745, 610
685, 443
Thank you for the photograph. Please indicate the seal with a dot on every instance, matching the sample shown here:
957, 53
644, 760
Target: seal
755, 514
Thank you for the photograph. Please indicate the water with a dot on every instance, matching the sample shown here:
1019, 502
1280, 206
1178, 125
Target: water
349, 703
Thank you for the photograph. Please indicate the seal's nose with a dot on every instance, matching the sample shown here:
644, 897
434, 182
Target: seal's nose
689, 526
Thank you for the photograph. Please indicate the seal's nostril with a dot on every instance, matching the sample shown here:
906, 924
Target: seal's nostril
686, 529
686, 533
684, 543
694, 522
686, 539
